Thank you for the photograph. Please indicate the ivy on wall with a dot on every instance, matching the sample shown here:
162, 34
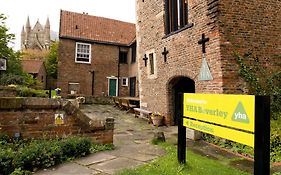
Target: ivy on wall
263, 78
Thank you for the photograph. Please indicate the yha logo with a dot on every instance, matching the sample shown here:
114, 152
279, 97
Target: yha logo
240, 115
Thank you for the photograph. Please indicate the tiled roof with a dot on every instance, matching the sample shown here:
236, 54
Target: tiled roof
93, 28
31, 66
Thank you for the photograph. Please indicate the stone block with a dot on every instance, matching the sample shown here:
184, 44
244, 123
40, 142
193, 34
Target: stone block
11, 103
193, 134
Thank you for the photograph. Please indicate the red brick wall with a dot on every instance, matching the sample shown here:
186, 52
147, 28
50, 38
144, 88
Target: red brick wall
252, 26
7, 91
185, 55
35, 117
232, 26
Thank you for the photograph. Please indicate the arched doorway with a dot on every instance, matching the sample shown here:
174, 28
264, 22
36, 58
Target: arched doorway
178, 85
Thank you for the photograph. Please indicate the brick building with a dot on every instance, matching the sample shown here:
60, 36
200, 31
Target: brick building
97, 56
189, 46
37, 69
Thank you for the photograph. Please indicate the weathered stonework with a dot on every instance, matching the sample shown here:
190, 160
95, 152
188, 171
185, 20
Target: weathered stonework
38, 37
231, 26
35, 117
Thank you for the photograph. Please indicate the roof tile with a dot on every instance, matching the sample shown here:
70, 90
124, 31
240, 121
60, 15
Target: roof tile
87, 27
32, 66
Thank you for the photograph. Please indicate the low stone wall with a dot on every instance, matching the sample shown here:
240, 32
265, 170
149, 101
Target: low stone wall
7, 91
42, 117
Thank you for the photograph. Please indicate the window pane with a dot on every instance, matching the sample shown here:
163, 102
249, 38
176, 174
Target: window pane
83, 53
123, 57
151, 61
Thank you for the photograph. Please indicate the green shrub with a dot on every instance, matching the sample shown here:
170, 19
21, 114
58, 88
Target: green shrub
7, 79
275, 140
275, 143
262, 79
75, 147
23, 91
19, 171
23, 156
6, 160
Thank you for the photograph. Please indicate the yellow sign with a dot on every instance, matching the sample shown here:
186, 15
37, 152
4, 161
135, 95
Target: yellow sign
231, 134
237, 111
59, 119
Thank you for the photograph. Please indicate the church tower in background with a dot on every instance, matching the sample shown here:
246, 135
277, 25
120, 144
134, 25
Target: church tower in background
38, 37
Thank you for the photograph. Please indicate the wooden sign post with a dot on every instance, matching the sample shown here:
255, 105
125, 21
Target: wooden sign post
240, 118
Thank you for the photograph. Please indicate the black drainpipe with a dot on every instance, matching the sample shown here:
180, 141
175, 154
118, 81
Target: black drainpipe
118, 73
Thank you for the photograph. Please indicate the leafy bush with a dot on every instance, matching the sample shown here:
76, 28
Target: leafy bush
275, 143
75, 147
275, 140
263, 79
23, 156
19, 171
6, 161
7, 79
23, 91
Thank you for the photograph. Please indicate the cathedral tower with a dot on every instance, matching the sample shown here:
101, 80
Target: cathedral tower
37, 37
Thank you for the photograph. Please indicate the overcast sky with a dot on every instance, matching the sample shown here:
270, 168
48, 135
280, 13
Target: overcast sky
18, 10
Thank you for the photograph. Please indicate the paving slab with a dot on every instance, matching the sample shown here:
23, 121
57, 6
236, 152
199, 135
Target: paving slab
95, 158
115, 165
140, 157
69, 169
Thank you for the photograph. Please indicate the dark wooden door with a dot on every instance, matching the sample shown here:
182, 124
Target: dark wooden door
132, 86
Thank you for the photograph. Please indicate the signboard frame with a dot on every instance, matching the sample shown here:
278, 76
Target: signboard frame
261, 134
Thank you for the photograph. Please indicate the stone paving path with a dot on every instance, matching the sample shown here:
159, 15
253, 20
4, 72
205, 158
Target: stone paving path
132, 137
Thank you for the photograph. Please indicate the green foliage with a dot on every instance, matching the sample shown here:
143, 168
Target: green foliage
52, 61
23, 156
6, 160
275, 141
232, 146
23, 91
13, 62
98, 147
263, 78
19, 171
14, 73
75, 147
196, 164
5, 39
7, 79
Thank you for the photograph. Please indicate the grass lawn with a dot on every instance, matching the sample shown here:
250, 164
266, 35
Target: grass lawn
196, 165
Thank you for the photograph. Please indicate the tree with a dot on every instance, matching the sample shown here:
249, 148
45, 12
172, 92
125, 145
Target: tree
14, 73
52, 61
34, 54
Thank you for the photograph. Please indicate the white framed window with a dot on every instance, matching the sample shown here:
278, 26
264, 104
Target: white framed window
124, 81
83, 53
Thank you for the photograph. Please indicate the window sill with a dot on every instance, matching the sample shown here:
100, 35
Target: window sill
81, 62
179, 30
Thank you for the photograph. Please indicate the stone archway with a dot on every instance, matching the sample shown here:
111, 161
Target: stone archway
176, 85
